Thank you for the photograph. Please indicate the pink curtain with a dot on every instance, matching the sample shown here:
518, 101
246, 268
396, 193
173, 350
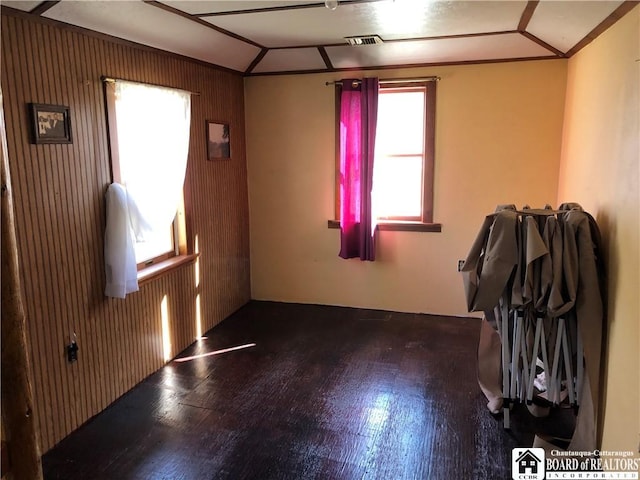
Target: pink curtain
358, 117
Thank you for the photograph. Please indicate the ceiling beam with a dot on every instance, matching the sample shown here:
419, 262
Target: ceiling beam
279, 9
616, 15
256, 61
325, 57
527, 14
408, 39
43, 7
542, 43
408, 65
193, 18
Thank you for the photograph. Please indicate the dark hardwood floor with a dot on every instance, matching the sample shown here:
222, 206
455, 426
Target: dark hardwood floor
325, 393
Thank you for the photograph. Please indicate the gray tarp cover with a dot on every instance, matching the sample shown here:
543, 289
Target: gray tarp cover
544, 264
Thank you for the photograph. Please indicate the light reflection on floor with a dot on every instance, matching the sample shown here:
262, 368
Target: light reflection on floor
378, 413
215, 352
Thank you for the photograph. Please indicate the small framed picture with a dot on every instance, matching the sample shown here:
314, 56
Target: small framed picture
50, 123
218, 145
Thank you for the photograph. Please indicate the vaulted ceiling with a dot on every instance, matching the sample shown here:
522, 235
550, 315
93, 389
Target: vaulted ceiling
269, 37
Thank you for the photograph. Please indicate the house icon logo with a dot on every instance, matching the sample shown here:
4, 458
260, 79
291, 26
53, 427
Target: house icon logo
527, 464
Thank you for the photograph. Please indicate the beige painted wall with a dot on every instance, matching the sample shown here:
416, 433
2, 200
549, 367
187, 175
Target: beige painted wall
599, 169
498, 140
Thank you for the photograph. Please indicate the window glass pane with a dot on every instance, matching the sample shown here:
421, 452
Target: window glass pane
157, 244
400, 127
397, 186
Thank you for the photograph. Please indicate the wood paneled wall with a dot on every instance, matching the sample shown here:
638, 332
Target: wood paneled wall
60, 212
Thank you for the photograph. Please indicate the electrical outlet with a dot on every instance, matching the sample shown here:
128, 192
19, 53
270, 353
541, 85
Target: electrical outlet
460, 265
72, 352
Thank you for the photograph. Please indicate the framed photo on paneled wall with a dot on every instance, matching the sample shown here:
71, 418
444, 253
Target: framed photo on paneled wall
218, 141
50, 123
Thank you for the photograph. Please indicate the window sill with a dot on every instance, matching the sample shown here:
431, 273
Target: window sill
398, 226
162, 268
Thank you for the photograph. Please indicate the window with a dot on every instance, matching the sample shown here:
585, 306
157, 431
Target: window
149, 132
404, 154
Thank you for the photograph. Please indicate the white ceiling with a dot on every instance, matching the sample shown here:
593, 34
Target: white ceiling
264, 36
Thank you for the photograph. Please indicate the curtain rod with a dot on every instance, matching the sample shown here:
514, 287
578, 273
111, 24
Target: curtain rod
114, 80
394, 80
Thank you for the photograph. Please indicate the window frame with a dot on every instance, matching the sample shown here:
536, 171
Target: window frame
407, 88
424, 222
181, 253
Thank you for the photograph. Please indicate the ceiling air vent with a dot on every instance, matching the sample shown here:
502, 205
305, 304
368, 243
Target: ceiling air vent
363, 40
